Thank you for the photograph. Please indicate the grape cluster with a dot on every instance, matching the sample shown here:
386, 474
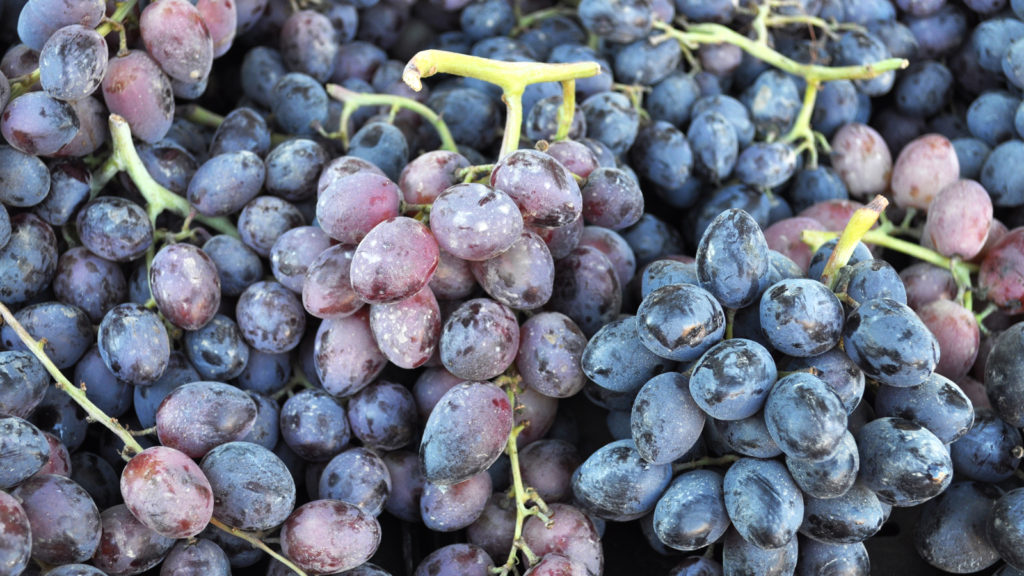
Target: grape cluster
617, 291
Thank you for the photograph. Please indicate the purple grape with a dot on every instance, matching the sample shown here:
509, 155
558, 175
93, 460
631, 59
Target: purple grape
448, 508
394, 261
346, 354
64, 329
547, 466
465, 433
25, 450
309, 44
571, 533
39, 19
270, 317
134, 344
264, 219
15, 535
474, 221
136, 89
358, 476
242, 129
522, 276
72, 62
186, 285
328, 536
327, 288
199, 416
252, 488
586, 289
128, 546
314, 425
114, 228
293, 252
198, 556
65, 521
544, 190
349, 206
91, 283
550, 350
151, 475
425, 177
38, 124
28, 261
213, 193
23, 383
479, 340
177, 38
456, 560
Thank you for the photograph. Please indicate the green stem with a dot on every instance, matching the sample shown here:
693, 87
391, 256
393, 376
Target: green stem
815, 238
566, 110
730, 321
158, 198
257, 543
471, 173
860, 223
522, 495
77, 394
710, 33
353, 100
104, 174
512, 77
802, 129
533, 17
199, 115
702, 462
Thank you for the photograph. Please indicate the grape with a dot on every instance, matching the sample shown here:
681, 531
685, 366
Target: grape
453, 448
214, 194
313, 424
89, 283
252, 488
804, 416
65, 521
136, 89
617, 484
127, 546
619, 21
293, 252
923, 168
347, 356
64, 329
446, 508
554, 564
550, 349
830, 476
479, 340
15, 535
732, 259
383, 416
26, 181
801, 317
308, 44
544, 190
37, 124
25, 451
890, 343
950, 533
186, 285
133, 343
114, 228
326, 289
393, 261
155, 472
902, 462
270, 317
237, 265
198, 416
327, 536
852, 517
570, 533
473, 117
358, 476
23, 383
612, 199
691, 514
72, 62
199, 556
425, 177
986, 451
39, 19
1003, 527
241, 129
176, 37
742, 557
217, 350
521, 277
105, 390
262, 221
456, 559
862, 159
999, 274
299, 102
474, 221
666, 422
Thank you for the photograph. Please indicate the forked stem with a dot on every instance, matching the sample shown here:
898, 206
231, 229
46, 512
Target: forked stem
353, 100
512, 77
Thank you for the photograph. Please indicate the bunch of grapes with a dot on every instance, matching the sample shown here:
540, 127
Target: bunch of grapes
616, 291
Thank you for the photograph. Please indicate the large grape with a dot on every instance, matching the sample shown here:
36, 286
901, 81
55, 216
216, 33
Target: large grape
156, 472
328, 536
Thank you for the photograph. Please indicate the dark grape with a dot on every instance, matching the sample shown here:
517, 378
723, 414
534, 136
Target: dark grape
128, 546
314, 425
902, 462
346, 354
327, 536
65, 521
358, 476
252, 488
133, 343
196, 417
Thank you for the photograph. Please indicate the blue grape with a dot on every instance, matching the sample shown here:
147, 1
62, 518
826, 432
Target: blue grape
903, 463
358, 476
25, 181
611, 120
765, 506
114, 228
801, 317
270, 317
852, 517
617, 484
680, 321
986, 451
616, 359
665, 421
64, 329
619, 21
830, 476
252, 487
804, 416
242, 129
25, 451
732, 379
889, 342
732, 259
313, 424
691, 513
1005, 527
133, 343
951, 534
299, 103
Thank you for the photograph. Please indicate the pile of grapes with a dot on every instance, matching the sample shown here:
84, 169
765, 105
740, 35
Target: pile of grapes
531, 287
